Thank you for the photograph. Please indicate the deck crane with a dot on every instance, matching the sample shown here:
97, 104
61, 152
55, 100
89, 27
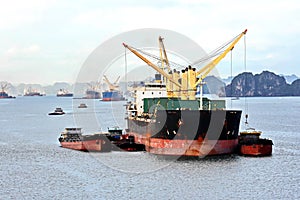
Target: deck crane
93, 86
163, 54
155, 67
204, 71
112, 86
3, 87
174, 90
189, 75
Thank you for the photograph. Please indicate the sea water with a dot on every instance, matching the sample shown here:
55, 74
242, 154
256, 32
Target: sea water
34, 166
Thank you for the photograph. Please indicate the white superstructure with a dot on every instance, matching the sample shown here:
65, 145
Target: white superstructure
149, 90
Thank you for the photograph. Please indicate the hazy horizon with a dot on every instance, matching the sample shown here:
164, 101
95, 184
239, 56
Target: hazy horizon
122, 80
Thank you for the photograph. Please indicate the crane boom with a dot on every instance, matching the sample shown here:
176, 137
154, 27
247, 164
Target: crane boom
110, 85
115, 83
206, 69
159, 70
164, 57
184, 85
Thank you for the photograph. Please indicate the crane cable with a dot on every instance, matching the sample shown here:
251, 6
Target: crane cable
177, 66
125, 62
231, 77
245, 95
215, 52
156, 57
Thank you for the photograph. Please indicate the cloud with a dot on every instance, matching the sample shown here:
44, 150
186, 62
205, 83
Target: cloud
38, 32
15, 14
16, 51
32, 49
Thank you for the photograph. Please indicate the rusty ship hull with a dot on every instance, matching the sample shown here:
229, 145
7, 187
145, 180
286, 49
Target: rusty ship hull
188, 132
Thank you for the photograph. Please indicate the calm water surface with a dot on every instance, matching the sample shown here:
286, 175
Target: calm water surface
34, 166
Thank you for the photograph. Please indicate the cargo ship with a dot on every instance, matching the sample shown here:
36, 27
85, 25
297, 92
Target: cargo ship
93, 91
113, 93
32, 92
3, 94
172, 126
168, 118
64, 93
72, 138
92, 94
112, 96
250, 144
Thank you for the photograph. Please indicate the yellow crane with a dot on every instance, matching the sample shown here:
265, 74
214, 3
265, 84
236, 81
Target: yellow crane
204, 71
112, 86
148, 62
163, 54
189, 75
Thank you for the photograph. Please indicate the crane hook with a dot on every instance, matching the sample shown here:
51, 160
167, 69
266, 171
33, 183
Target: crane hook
246, 116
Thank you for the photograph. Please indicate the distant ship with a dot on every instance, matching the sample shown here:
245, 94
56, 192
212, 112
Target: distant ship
113, 94
92, 94
32, 92
3, 94
64, 93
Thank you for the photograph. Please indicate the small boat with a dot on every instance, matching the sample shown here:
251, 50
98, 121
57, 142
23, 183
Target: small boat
72, 138
122, 141
57, 111
250, 144
82, 105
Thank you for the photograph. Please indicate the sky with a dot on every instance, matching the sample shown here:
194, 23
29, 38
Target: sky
45, 41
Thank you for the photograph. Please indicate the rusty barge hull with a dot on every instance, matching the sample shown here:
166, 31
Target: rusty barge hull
94, 142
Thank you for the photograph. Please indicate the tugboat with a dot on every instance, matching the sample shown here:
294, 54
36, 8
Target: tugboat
122, 141
250, 144
72, 138
57, 111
